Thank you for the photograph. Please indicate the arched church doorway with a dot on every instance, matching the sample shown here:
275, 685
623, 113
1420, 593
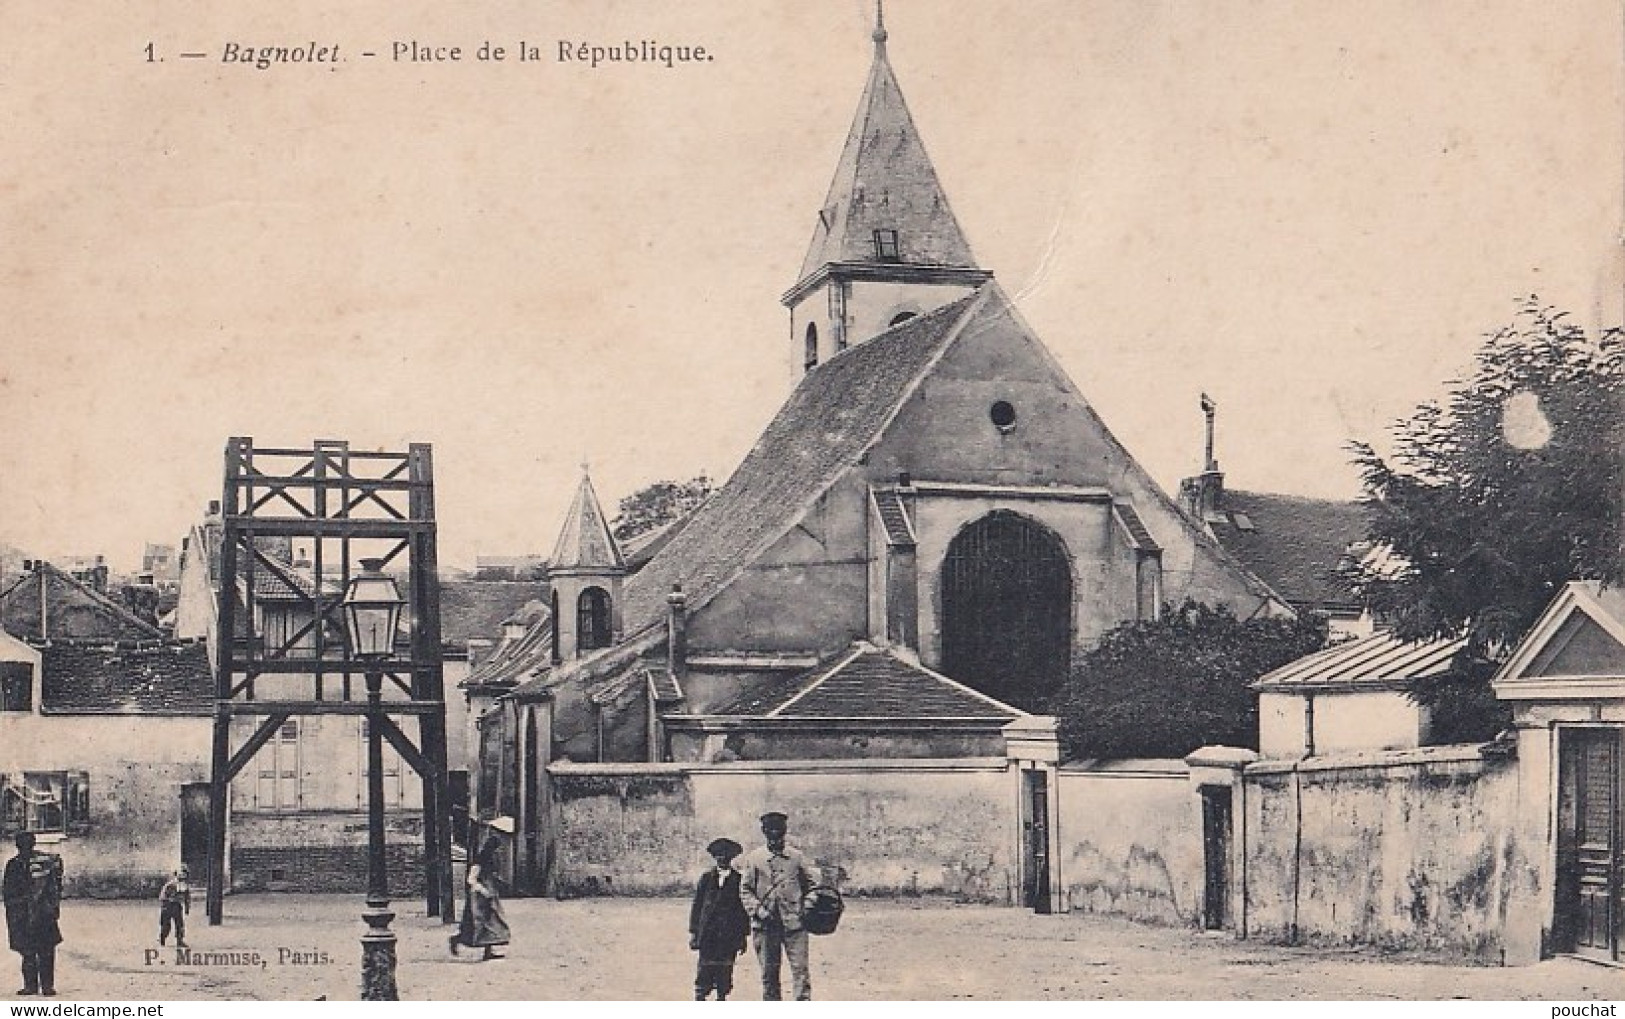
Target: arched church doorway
1007, 609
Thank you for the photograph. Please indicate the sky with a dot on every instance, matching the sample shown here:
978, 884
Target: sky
1312, 211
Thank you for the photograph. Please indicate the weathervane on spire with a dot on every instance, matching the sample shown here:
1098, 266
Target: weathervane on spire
879, 35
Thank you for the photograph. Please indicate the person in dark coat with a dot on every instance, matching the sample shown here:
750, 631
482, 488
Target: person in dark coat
174, 903
483, 924
717, 923
33, 896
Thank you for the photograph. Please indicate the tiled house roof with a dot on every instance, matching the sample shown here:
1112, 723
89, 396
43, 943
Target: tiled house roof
514, 661
1380, 660
1292, 543
836, 412
48, 604
162, 679
869, 682
478, 608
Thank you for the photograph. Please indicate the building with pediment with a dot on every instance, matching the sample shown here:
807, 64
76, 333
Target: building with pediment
1566, 684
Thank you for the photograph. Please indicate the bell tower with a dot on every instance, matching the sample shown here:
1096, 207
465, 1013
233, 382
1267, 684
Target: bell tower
585, 573
885, 245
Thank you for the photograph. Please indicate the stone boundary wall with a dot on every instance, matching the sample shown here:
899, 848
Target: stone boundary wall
1130, 837
884, 828
1402, 849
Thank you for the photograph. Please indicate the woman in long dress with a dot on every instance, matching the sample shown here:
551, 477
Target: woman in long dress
483, 925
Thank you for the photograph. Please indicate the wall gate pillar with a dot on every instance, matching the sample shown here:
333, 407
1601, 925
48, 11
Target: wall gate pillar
1217, 777
1034, 752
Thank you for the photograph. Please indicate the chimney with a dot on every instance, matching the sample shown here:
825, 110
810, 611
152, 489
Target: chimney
142, 600
677, 632
1209, 410
478, 648
513, 629
214, 507
301, 559
1202, 497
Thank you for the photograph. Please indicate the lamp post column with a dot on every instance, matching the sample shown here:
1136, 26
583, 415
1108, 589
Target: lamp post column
378, 944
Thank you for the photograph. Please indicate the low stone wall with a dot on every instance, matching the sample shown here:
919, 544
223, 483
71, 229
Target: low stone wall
915, 827
1130, 840
1410, 849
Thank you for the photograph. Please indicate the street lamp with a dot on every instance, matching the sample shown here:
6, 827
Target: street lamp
372, 611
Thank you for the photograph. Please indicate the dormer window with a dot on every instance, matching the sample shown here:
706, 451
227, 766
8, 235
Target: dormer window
886, 246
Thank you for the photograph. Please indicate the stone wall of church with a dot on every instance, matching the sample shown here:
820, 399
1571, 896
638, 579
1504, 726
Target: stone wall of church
1103, 592
809, 592
875, 828
945, 432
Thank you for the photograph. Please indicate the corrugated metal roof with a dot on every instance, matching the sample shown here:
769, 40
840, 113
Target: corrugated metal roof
1380, 659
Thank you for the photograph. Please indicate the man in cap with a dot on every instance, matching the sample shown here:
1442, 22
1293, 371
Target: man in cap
773, 882
33, 894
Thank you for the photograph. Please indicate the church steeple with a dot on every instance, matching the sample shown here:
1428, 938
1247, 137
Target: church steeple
585, 573
885, 244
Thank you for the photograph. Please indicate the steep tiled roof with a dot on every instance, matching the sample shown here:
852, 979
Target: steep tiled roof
1380, 660
478, 608
514, 661
172, 678
50, 604
644, 547
885, 181
835, 413
869, 682
1292, 543
585, 541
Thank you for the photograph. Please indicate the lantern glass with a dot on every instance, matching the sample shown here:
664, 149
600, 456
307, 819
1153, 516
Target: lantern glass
372, 611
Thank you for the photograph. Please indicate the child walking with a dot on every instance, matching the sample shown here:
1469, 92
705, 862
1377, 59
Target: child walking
717, 924
174, 902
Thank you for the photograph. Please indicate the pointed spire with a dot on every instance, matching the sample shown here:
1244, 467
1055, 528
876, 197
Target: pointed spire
885, 203
585, 542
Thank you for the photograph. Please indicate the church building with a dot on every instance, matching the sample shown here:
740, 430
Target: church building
918, 546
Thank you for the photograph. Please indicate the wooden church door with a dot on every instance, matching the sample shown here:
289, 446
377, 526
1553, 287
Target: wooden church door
1007, 609
1589, 853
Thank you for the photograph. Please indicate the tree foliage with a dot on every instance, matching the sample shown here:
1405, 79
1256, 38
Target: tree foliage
658, 504
1493, 499
1163, 688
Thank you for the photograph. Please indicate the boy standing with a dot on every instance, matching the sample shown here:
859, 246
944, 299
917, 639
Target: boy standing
174, 902
717, 923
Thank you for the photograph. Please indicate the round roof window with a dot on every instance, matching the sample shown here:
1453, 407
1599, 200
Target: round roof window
1003, 414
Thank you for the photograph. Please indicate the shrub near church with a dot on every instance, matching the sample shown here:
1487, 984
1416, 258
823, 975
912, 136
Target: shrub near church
1163, 688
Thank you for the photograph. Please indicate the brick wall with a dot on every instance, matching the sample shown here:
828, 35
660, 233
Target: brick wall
322, 852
